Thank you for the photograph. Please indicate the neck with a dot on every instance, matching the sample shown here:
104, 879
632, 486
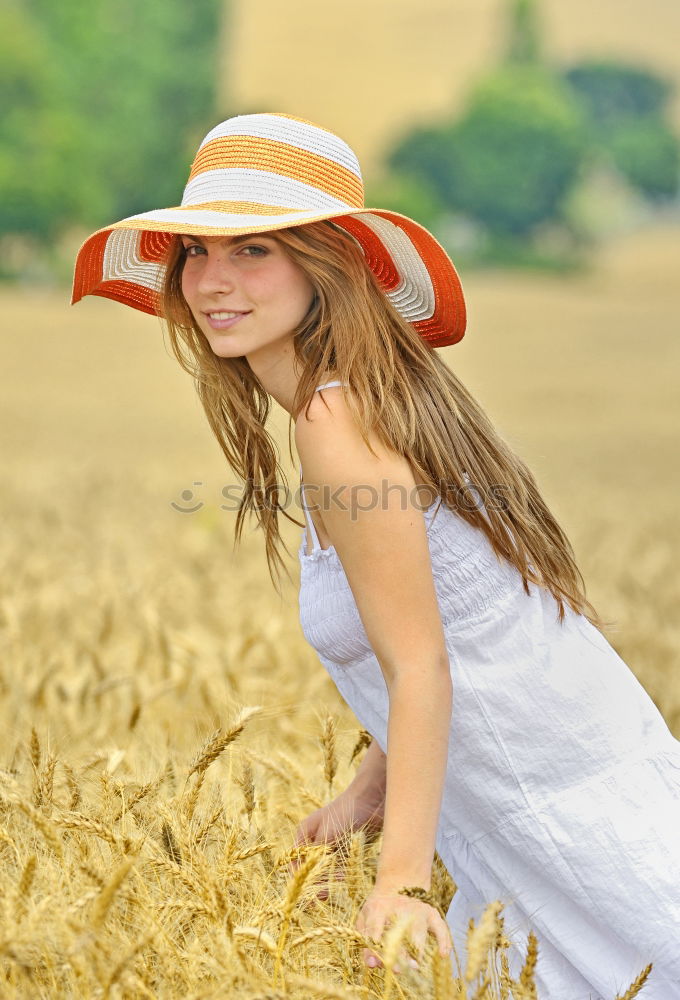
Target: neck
278, 375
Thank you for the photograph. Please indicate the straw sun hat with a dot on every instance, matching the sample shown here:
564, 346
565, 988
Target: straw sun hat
263, 172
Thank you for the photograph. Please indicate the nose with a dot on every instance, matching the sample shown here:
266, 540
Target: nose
217, 273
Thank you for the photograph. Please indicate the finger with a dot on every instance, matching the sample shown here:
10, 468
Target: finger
371, 958
418, 943
305, 834
412, 953
374, 933
368, 951
404, 961
443, 935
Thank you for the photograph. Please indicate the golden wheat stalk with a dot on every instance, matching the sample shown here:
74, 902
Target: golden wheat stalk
526, 976
105, 898
207, 824
121, 967
333, 931
24, 887
46, 782
246, 782
443, 985
188, 906
5, 838
281, 772
303, 873
505, 978
190, 798
220, 740
249, 852
290, 768
34, 750
363, 740
169, 842
481, 939
73, 785
78, 821
83, 900
191, 883
137, 796
261, 938
637, 984
330, 757
208, 885
294, 984
483, 991
44, 825
396, 934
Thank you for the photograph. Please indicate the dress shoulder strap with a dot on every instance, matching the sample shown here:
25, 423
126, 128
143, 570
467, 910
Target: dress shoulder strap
308, 518
328, 385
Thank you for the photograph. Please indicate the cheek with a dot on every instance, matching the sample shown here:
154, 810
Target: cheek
283, 288
303, 291
188, 286
185, 284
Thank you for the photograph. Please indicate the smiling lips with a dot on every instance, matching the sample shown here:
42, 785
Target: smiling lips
223, 319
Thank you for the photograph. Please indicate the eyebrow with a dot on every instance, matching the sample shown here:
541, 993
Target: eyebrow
235, 239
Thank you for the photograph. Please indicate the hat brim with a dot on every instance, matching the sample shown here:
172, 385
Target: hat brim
125, 261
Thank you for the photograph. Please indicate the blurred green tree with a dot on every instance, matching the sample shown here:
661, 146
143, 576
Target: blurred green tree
38, 134
612, 90
626, 108
524, 44
647, 153
107, 103
511, 159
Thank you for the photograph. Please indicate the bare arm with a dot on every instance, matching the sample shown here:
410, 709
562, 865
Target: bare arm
371, 774
386, 558
418, 731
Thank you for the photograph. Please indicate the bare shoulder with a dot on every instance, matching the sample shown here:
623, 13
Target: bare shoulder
365, 499
330, 443
326, 409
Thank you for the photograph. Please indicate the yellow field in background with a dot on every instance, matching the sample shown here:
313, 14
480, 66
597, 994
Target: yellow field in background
133, 863
370, 70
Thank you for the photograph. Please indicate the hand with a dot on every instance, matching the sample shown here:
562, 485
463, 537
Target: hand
348, 812
382, 906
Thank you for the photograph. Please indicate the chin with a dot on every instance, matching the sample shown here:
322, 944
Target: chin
223, 347
225, 352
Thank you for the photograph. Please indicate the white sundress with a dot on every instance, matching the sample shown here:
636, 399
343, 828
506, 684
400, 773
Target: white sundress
562, 789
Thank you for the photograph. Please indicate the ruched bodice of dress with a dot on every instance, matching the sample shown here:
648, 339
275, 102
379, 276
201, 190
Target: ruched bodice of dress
470, 582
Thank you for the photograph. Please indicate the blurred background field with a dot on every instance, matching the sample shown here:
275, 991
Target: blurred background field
130, 631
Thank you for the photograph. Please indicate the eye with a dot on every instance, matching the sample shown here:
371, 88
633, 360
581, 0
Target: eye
190, 248
255, 250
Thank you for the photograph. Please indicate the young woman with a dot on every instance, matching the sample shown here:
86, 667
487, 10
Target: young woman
436, 586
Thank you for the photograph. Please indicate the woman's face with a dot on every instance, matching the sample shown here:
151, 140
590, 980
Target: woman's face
245, 292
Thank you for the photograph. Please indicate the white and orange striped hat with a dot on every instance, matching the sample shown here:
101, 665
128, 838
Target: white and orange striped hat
262, 172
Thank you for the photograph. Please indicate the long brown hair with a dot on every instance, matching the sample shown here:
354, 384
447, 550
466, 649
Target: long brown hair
396, 386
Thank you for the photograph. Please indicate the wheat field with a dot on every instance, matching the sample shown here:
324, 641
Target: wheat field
165, 726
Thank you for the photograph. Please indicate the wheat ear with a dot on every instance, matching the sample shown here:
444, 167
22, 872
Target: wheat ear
637, 984
220, 740
481, 939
